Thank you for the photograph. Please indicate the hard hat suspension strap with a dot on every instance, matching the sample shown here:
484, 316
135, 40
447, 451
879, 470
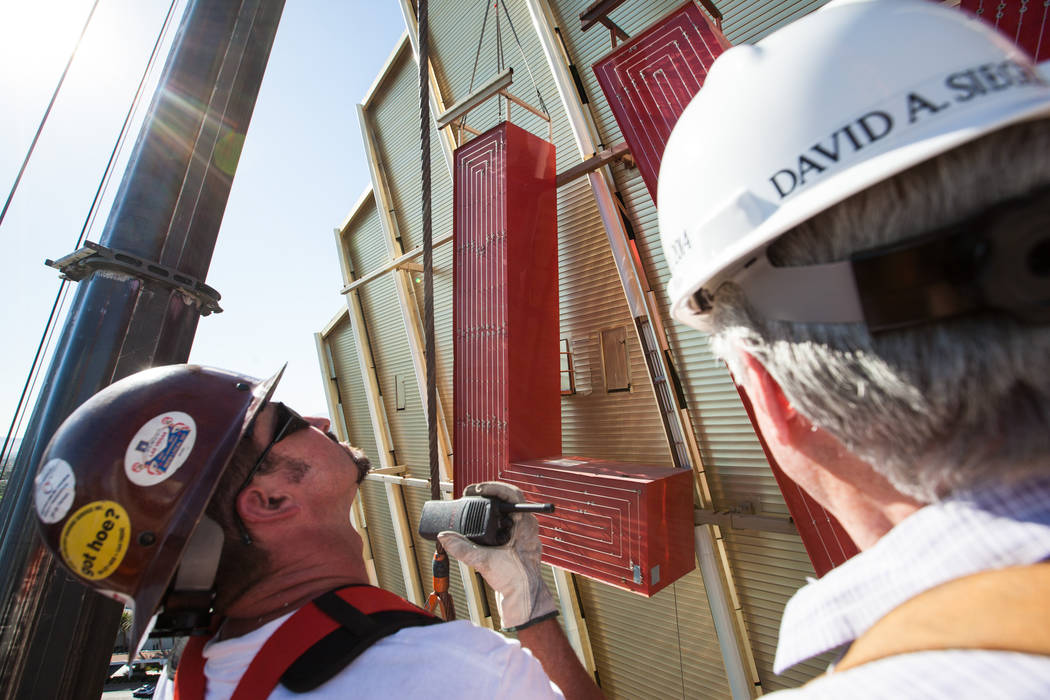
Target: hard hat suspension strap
996, 260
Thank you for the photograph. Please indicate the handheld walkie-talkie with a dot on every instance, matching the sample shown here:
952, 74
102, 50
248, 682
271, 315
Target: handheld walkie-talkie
481, 519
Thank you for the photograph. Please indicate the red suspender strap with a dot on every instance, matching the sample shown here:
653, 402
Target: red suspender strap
189, 678
291, 640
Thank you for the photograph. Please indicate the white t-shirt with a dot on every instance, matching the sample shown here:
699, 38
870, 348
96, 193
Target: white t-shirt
453, 659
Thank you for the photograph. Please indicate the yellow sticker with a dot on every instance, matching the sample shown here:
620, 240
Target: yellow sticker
95, 539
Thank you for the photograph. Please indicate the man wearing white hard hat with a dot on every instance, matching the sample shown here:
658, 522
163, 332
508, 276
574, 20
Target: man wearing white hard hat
857, 208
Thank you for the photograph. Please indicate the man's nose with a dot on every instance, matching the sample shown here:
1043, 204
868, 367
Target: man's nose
318, 422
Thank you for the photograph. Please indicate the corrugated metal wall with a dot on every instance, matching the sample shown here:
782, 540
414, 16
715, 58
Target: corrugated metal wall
397, 379
733, 457
662, 647
769, 568
747, 21
363, 241
381, 537
351, 388
625, 629
394, 119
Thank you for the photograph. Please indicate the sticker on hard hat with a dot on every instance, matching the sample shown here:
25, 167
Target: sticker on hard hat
95, 539
55, 488
159, 448
890, 118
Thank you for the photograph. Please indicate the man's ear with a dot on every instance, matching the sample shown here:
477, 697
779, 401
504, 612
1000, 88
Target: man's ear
768, 398
263, 501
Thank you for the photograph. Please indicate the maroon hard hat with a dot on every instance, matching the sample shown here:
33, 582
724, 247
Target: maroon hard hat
125, 480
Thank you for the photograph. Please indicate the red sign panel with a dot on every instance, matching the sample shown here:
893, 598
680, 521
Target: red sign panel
649, 81
629, 525
507, 399
1026, 23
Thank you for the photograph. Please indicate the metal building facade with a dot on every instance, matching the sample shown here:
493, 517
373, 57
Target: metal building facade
666, 646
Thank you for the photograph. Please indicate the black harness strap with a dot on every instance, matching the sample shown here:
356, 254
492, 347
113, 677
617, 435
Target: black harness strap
356, 633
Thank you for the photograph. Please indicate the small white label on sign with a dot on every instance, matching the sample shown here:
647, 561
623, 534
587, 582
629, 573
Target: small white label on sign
55, 488
565, 462
159, 448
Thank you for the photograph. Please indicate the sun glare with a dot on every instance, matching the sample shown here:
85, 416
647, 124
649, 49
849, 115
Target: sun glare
35, 41
37, 37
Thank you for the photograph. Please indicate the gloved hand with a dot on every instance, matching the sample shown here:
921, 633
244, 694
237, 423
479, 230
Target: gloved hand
512, 569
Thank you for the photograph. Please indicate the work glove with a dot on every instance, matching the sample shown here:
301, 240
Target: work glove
512, 569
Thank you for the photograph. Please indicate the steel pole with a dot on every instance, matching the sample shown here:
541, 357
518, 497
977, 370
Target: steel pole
55, 635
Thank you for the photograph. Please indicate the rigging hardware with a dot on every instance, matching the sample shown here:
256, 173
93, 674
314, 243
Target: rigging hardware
83, 262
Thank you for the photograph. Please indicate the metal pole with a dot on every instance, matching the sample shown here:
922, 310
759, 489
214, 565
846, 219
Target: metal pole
55, 635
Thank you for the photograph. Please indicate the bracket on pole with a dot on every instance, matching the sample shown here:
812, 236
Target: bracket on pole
496, 86
620, 151
82, 263
744, 521
597, 13
476, 98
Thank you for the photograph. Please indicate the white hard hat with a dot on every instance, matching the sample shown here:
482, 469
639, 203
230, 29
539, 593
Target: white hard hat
826, 107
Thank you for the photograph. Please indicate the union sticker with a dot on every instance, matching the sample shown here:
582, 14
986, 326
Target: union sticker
159, 448
55, 487
95, 539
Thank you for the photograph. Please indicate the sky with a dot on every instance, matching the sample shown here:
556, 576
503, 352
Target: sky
301, 170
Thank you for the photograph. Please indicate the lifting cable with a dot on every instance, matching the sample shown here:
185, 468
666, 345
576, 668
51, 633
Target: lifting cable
59, 303
47, 112
500, 60
440, 601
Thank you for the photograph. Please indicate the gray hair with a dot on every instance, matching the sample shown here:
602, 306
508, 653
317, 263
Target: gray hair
937, 408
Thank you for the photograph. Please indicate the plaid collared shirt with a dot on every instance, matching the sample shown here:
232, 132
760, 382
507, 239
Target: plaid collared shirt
1008, 525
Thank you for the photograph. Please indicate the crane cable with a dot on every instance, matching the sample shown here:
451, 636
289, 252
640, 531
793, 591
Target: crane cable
500, 61
47, 113
440, 601
59, 303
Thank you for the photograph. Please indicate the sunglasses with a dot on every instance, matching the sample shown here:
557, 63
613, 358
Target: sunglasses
286, 422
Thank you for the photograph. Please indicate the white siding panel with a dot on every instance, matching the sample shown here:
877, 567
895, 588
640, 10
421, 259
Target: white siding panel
364, 243
394, 115
390, 348
659, 647
769, 568
747, 21
352, 395
381, 537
